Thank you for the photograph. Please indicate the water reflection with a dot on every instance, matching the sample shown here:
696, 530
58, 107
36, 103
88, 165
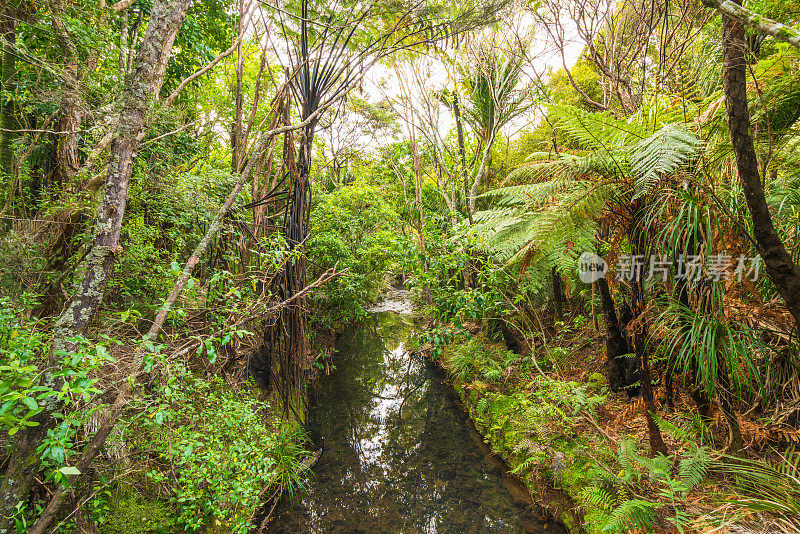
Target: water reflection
397, 456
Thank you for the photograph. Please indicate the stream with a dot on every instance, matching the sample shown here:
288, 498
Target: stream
399, 454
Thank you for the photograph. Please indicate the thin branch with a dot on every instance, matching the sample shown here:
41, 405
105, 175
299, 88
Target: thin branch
171, 98
173, 132
122, 4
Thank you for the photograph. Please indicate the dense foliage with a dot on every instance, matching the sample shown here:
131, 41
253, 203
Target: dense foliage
196, 196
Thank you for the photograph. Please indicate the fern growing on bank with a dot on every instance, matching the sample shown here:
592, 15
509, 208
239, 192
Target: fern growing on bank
620, 497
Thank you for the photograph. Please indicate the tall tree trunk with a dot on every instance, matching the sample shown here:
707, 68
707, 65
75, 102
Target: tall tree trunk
777, 261
418, 187
143, 84
165, 20
462, 153
8, 121
237, 149
294, 320
70, 112
482, 167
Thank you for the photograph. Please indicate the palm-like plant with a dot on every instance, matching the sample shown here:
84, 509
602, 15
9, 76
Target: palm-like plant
491, 80
330, 47
553, 217
555, 212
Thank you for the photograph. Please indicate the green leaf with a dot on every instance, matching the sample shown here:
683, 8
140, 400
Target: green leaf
30, 403
69, 470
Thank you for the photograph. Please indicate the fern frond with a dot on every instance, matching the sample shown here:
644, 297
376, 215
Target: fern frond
598, 497
662, 154
694, 467
594, 131
634, 514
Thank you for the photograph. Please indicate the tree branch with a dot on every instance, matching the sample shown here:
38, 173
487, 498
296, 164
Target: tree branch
202, 71
780, 31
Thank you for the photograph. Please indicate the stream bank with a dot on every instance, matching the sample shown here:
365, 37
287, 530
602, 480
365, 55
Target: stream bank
545, 461
398, 452
555, 423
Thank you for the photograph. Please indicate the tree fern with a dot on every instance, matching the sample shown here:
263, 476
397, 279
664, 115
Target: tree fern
661, 154
553, 218
594, 131
778, 107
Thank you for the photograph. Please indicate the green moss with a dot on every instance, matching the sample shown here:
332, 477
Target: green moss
130, 513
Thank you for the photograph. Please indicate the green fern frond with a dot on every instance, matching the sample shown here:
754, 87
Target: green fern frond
662, 154
594, 131
634, 514
598, 497
694, 467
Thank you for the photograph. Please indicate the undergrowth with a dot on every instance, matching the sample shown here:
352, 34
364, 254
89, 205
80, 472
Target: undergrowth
217, 456
547, 429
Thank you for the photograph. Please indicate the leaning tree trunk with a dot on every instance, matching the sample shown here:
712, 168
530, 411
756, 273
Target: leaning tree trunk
760, 23
165, 20
777, 261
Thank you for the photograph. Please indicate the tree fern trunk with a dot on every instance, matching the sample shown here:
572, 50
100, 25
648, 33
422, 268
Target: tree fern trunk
616, 344
640, 344
558, 294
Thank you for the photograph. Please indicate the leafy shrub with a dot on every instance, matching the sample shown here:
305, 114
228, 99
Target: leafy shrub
478, 359
356, 228
29, 383
221, 449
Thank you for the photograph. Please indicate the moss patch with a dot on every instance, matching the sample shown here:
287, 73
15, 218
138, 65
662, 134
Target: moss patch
130, 513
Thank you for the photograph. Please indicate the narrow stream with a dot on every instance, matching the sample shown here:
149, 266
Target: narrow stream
399, 455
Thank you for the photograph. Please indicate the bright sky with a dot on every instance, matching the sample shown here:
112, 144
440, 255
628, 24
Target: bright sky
382, 82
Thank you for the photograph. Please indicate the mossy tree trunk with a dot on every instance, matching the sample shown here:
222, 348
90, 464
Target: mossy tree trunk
70, 115
143, 84
8, 120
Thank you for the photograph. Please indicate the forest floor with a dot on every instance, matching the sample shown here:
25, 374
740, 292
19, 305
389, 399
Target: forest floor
583, 450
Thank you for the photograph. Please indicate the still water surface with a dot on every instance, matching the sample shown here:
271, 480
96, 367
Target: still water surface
399, 455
